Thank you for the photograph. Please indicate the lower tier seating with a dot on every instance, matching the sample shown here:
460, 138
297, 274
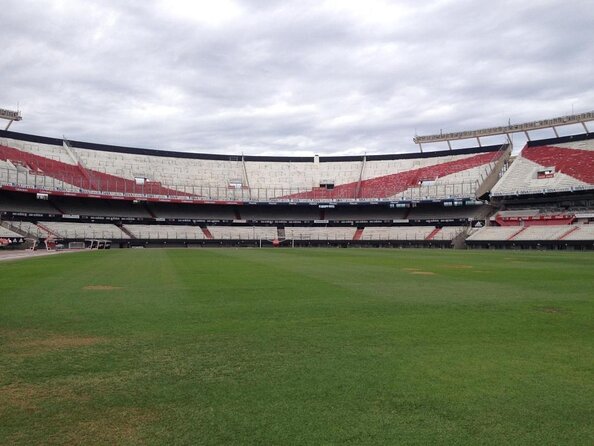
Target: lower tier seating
7, 233
170, 232
534, 233
243, 232
321, 233
83, 230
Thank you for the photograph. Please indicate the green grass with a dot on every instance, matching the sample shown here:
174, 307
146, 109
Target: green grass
285, 346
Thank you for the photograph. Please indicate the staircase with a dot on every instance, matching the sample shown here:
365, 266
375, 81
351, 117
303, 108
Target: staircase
206, 233
246, 180
432, 234
280, 233
14, 229
517, 233
126, 231
358, 233
149, 210
55, 206
575, 228
361, 173
77, 161
494, 175
48, 230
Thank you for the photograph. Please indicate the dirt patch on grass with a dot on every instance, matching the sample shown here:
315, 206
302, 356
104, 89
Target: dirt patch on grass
88, 425
118, 426
423, 273
24, 343
550, 310
410, 269
58, 342
459, 266
102, 288
20, 396
29, 397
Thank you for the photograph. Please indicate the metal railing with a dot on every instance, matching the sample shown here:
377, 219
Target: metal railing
23, 178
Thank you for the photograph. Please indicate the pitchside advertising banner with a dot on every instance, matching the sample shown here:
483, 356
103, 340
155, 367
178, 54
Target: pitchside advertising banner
6, 241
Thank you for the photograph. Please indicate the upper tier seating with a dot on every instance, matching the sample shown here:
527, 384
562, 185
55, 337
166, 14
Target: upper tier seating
42, 172
115, 171
549, 168
433, 178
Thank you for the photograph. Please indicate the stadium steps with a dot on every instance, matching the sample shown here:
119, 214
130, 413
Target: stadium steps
493, 177
358, 233
432, 234
125, 230
515, 234
15, 229
280, 233
207, 233
48, 230
55, 206
571, 231
77, 161
149, 210
459, 240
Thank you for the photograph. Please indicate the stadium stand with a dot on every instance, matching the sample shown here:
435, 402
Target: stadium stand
494, 233
413, 233
160, 232
319, 233
48, 164
4, 233
580, 233
550, 166
536, 233
78, 191
83, 230
30, 229
243, 232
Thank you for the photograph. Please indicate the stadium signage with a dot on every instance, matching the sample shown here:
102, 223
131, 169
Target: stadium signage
505, 130
10, 114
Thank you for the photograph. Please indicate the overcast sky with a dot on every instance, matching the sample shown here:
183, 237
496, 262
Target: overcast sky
291, 77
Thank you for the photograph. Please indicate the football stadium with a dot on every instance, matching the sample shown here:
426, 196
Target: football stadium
74, 194
313, 222
461, 312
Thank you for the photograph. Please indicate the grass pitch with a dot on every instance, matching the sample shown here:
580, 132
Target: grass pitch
292, 346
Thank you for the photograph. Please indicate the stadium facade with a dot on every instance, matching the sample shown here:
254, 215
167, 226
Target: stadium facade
84, 194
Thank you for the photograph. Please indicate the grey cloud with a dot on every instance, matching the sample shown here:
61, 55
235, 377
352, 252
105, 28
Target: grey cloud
292, 77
